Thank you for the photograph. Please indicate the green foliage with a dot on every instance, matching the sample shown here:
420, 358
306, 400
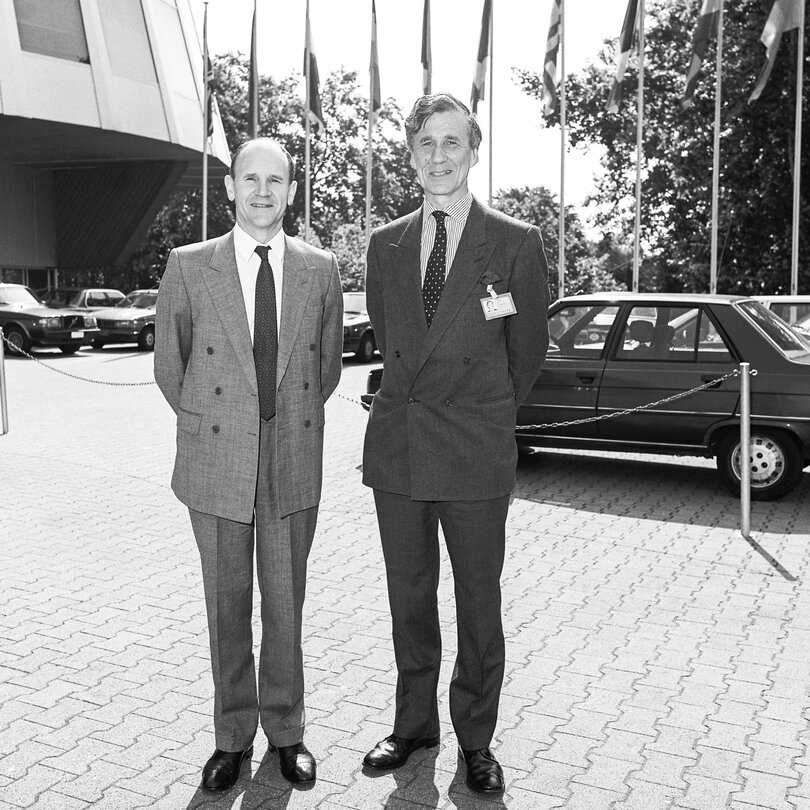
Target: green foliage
756, 152
585, 270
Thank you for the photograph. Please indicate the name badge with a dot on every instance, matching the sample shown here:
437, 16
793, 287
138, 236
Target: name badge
497, 306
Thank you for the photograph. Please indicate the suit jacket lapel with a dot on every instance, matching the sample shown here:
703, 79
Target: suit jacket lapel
407, 277
469, 263
226, 293
296, 287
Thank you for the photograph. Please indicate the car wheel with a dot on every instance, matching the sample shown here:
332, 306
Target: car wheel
146, 340
776, 463
68, 349
98, 344
16, 340
365, 350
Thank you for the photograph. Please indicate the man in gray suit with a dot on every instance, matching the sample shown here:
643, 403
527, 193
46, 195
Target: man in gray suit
457, 295
249, 338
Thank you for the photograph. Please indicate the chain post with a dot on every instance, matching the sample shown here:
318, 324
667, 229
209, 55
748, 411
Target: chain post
3, 403
745, 451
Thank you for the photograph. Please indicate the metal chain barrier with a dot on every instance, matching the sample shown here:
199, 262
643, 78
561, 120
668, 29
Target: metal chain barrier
16, 350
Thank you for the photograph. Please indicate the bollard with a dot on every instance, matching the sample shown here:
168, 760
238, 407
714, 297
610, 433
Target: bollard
745, 451
3, 405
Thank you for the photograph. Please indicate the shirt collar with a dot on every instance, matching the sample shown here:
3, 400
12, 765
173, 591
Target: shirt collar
244, 245
459, 210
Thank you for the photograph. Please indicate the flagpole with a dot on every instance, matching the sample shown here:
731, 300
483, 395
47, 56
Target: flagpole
308, 129
491, 90
718, 98
797, 156
561, 229
639, 155
206, 90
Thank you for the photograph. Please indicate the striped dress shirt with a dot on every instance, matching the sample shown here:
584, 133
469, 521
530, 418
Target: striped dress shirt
455, 221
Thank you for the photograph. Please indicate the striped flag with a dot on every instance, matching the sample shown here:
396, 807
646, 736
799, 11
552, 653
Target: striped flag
707, 27
479, 80
785, 15
312, 78
253, 83
375, 97
427, 58
625, 46
550, 64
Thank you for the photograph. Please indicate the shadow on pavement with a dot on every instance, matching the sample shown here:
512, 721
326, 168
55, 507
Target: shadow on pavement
654, 489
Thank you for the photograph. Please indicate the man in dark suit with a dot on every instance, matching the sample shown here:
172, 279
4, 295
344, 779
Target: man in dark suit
249, 341
457, 295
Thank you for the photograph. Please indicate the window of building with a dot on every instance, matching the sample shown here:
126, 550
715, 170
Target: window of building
127, 40
55, 28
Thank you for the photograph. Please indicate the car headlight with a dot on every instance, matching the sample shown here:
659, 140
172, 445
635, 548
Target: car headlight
89, 320
49, 323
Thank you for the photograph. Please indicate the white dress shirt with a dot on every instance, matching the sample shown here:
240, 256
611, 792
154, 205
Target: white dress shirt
248, 263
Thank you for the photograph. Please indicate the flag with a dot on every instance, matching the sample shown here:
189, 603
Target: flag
785, 15
707, 27
375, 97
550, 64
625, 45
208, 79
311, 73
427, 59
253, 83
479, 80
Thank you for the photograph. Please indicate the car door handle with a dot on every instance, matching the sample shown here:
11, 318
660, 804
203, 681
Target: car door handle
586, 378
710, 378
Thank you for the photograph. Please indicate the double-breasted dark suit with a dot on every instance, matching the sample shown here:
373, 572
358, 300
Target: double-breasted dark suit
441, 431
225, 474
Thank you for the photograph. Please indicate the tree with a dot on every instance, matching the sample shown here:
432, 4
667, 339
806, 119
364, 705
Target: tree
755, 159
585, 271
338, 166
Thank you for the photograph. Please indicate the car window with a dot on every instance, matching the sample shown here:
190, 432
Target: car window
775, 329
113, 298
673, 335
791, 312
96, 299
581, 330
354, 302
16, 295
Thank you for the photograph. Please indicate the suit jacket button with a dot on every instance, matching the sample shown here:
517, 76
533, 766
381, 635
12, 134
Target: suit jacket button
215, 429
411, 400
397, 354
307, 423
448, 402
217, 390
312, 347
306, 386
210, 350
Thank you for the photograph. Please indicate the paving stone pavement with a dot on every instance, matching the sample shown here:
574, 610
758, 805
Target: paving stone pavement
655, 658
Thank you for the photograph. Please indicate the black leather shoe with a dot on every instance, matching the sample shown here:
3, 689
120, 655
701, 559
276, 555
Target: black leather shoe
484, 774
394, 751
222, 770
297, 764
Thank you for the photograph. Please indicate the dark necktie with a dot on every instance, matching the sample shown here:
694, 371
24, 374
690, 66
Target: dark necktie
435, 271
265, 336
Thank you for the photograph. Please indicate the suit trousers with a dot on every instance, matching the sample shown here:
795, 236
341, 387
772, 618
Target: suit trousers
474, 532
226, 551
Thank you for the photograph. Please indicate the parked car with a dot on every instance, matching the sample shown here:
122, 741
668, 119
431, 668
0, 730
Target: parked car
27, 323
88, 299
658, 346
358, 336
132, 320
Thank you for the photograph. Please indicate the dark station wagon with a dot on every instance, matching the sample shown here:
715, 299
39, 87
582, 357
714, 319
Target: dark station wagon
612, 353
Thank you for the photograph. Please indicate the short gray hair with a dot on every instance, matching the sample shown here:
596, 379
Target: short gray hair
436, 103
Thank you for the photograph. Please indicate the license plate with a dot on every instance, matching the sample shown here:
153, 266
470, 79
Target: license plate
77, 334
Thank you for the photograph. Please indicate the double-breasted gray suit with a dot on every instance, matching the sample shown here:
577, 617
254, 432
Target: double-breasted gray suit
441, 432
231, 466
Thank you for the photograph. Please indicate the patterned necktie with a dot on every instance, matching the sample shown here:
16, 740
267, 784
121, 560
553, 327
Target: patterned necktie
265, 336
435, 271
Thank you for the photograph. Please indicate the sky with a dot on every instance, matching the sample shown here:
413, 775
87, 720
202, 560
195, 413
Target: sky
525, 153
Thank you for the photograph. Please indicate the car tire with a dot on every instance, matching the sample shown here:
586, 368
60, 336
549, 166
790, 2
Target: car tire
366, 348
16, 340
68, 349
146, 339
776, 463
98, 344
